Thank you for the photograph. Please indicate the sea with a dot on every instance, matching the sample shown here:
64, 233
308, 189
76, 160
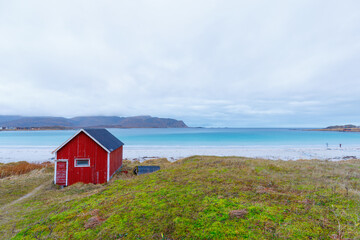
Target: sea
175, 143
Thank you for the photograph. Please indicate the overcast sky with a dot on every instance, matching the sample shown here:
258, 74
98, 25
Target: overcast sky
227, 63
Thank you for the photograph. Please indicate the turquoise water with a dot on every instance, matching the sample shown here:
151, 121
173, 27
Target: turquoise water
193, 137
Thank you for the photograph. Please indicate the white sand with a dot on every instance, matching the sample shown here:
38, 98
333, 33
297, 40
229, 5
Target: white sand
24, 153
43, 153
274, 153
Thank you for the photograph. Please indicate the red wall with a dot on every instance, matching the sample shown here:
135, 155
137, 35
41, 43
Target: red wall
116, 160
83, 146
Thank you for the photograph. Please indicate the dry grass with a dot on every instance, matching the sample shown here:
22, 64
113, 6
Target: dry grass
157, 161
19, 168
128, 167
47, 200
16, 186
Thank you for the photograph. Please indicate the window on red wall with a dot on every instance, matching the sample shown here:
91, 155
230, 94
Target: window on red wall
82, 162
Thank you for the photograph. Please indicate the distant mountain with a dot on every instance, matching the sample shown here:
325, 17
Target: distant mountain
90, 122
340, 128
7, 118
152, 122
38, 122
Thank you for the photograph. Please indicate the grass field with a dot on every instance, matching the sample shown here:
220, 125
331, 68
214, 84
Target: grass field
198, 198
17, 179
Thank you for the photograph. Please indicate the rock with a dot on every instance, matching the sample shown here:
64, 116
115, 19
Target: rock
238, 213
93, 222
94, 212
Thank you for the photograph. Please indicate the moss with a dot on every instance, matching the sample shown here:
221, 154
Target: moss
192, 199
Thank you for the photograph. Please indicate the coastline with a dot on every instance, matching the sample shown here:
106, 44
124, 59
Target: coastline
173, 153
335, 130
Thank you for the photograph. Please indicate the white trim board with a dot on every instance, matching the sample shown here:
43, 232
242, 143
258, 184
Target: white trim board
55, 168
108, 167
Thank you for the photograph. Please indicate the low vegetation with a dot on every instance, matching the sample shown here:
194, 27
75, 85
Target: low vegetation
18, 168
199, 198
18, 179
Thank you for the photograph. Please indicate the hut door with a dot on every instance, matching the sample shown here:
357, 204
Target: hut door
61, 172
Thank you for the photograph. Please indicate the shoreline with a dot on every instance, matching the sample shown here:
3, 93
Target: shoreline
173, 153
335, 129
78, 128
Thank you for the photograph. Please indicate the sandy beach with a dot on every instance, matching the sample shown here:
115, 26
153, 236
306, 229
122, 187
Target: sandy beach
273, 153
142, 144
43, 153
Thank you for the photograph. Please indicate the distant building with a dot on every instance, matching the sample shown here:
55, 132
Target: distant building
90, 156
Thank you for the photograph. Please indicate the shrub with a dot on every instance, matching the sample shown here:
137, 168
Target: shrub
19, 168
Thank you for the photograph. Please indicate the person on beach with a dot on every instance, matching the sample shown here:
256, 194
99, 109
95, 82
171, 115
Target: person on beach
340, 145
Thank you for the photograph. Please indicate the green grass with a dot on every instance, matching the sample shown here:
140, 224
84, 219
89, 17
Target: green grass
192, 199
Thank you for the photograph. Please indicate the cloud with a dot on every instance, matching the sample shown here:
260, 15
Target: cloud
211, 63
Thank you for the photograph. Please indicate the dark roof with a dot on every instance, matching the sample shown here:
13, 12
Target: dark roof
105, 138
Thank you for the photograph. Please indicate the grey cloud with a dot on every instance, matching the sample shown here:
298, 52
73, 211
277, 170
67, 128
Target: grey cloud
211, 63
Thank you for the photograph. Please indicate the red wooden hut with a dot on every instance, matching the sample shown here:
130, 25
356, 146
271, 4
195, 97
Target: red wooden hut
90, 156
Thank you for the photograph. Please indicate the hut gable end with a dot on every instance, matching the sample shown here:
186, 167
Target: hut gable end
101, 136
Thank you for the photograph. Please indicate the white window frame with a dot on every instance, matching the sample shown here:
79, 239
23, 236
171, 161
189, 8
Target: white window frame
76, 159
